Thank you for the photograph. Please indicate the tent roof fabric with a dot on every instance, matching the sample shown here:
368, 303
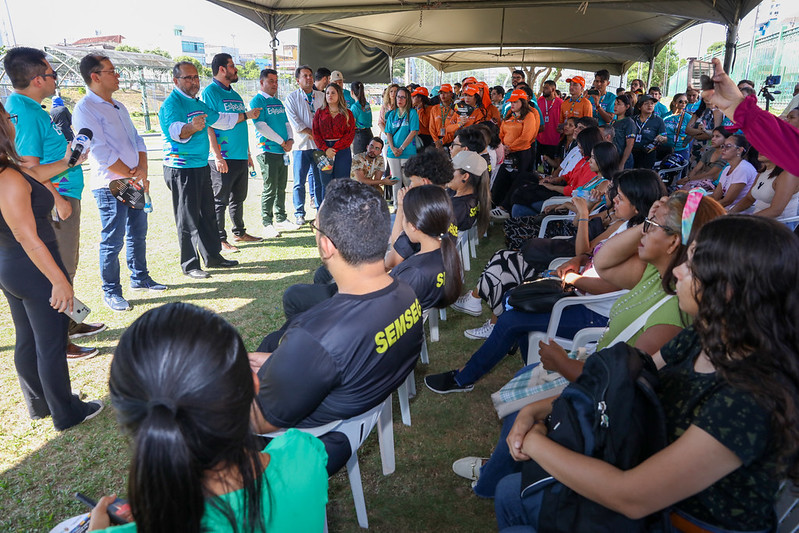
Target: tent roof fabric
567, 33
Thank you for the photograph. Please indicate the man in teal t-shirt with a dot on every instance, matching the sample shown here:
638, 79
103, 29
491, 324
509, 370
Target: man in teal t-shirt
660, 110
604, 102
229, 158
275, 140
338, 78
42, 146
183, 121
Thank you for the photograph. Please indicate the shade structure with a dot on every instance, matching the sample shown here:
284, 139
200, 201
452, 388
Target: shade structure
591, 34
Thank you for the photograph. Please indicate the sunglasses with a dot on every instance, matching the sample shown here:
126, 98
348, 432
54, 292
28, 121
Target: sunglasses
648, 223
53, 75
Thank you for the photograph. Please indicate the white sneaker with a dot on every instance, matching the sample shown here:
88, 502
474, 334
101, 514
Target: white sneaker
270, 232
469, 467
286, 225
499, 214
468, 304
480, 333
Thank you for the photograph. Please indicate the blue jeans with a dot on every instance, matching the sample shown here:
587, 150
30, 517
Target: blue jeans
303, 161
342, 165
520, 210
513, 326
121, 223
500, 464
514, 513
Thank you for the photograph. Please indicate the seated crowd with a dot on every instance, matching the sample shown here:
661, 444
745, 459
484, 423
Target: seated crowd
222, 434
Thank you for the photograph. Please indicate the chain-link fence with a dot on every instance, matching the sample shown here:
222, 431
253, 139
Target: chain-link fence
776, 54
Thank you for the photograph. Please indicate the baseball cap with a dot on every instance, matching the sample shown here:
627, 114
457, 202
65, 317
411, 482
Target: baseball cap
336, 75
58, 102
420, 90
471, 90
517, 94
445, 88
470, 162
470, 79
577, 79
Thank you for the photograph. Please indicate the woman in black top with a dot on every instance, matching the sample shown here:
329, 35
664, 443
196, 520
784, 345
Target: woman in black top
35, 284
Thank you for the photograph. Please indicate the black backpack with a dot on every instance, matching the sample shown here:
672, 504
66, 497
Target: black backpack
611, 413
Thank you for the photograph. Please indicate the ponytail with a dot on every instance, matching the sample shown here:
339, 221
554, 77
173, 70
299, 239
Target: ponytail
453, 277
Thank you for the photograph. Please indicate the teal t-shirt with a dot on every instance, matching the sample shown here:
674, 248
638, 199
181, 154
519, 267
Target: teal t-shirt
348, 97
363, 115
180, 108
37, 136
607, 103
293, 490
235, 143
399, 128
661, 110
675, 130
274, 114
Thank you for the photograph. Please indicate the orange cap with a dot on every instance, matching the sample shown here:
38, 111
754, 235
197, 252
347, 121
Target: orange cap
470, 79
421, 90
517, 94
577, 79
445, 88
471, 90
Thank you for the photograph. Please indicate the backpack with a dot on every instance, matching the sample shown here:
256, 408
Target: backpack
611, 413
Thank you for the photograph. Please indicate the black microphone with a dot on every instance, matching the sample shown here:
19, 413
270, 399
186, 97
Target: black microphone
81, 143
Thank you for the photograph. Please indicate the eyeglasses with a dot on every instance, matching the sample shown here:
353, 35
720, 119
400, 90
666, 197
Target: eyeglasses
190, 78
113, 71
53, 75
13, 118
648, 223
682, 101
316, 229
456, 144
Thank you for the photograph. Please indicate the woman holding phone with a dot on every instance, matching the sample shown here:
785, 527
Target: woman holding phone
34, 281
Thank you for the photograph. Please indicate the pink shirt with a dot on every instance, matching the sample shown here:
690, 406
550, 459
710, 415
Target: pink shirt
550, 117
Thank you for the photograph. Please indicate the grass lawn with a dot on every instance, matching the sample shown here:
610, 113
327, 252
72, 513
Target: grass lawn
40, 468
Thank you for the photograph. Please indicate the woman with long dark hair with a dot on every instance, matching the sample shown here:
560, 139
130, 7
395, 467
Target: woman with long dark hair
469, 191
775, 193
420, 98
676, 137
624, 128
38, 291
333, 132
518, 131
434, 272
728, 386
182, 388
362, 112
706, 173
740, 173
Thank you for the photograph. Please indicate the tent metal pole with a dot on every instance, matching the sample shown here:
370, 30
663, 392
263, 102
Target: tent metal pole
732, 36
651, 68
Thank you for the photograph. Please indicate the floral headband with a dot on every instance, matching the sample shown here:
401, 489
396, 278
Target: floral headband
689, 211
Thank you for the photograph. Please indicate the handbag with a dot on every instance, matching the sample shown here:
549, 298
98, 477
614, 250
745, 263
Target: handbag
538, 296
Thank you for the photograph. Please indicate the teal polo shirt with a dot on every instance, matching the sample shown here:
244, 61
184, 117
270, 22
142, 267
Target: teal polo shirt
274, 114
234, 144
180, 108
608, 103
38, 136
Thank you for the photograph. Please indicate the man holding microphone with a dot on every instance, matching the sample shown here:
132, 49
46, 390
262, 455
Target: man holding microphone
186, 146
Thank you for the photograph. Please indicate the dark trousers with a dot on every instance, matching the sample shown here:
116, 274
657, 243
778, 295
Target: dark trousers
273, 198
230, 189
193, 205
362, 138
342, 167
41, 341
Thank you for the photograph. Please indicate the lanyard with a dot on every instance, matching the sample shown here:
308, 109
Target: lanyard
641, 127
571, 109
443, 116
679, 127
548, 107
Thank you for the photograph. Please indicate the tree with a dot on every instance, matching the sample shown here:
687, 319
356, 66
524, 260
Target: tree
159, 52
715, 47
127, 48
667, 62
203, 71
250, 71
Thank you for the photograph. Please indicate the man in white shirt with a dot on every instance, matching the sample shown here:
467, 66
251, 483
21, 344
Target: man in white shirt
300, 108
117, 152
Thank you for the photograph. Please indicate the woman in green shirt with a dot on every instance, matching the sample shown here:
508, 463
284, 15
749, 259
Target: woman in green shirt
182, 387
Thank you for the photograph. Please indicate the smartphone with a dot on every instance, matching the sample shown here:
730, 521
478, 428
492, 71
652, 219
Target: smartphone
705, 82
592, 92
79, 310
117, 506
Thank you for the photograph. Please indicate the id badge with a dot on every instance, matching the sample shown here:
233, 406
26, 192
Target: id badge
443, 132
638, 138
546, 119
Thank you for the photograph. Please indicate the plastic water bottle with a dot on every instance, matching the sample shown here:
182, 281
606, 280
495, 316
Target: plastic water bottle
148, 203
286, 159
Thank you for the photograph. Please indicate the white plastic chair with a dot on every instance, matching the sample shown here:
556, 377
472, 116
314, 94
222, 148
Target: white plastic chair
356, 430
786, 509
407, 390
463, 250
554, 322
669, 175
473, 238
542, 231
789, 221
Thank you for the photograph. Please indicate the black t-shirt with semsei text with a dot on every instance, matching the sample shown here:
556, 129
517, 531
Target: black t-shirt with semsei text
424, 272
342, 357
465, 208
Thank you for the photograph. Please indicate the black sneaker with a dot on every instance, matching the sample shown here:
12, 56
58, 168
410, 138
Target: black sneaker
445, 383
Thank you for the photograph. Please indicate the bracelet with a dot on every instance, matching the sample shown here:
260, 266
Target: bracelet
582, 220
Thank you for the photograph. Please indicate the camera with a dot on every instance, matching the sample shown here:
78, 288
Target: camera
772, 81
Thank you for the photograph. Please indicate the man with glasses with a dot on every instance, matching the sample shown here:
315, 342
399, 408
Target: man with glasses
45, 151
368, 167
184, 120
118, 152
300, 108
229, 159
